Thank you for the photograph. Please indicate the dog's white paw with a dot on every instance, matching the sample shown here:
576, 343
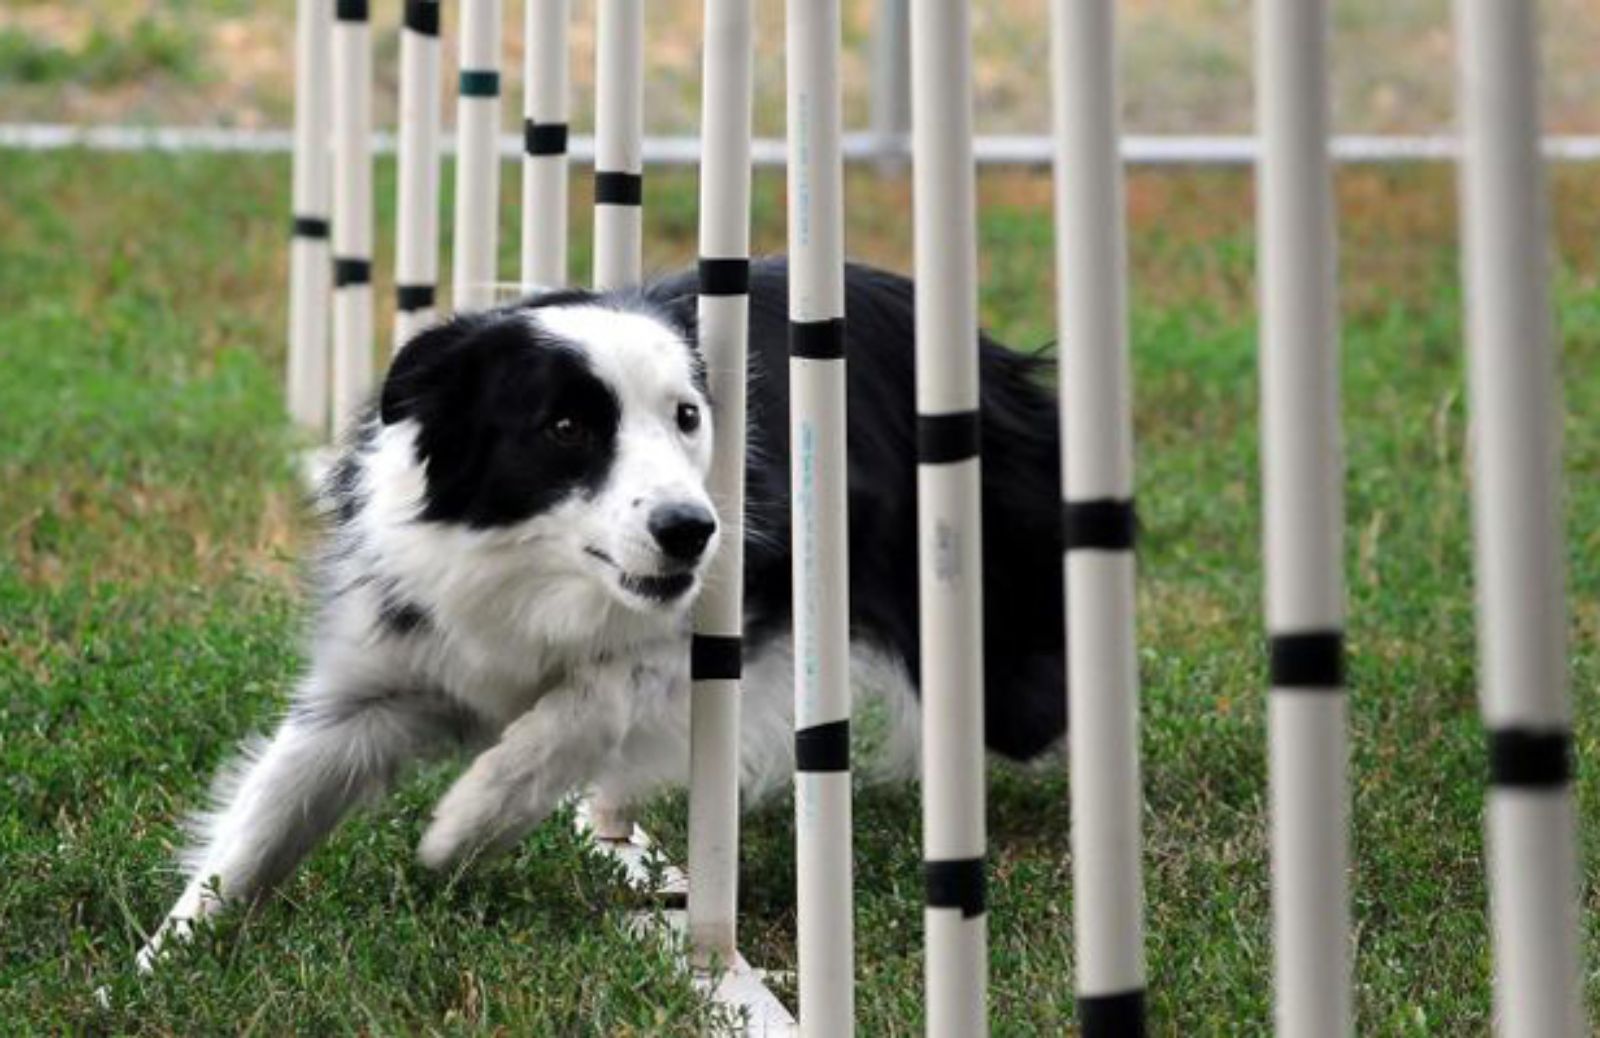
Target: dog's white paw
467, 824
200, 899
145, 961
440, 847
174, 928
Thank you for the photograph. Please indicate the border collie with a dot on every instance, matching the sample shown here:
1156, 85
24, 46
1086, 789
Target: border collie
517, 529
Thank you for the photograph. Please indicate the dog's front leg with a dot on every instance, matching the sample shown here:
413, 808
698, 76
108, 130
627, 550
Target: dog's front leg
285, 794
557, 747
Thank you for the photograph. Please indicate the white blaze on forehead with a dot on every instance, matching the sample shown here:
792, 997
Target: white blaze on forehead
641, 357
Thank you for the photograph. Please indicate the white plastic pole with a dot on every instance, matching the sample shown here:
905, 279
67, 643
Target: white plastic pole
477, 161
352, 210
889, 99
1522, 623
716, 648
416, 264
1303, 522
818, 490
544, 145
1098, 533
618, 213
310, 261
619, 130
949, 520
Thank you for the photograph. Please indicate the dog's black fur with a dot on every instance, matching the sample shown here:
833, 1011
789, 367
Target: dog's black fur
1024, 622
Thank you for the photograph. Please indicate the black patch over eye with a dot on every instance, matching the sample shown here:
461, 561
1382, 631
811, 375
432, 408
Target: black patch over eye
510, 420
688, 418
568, 432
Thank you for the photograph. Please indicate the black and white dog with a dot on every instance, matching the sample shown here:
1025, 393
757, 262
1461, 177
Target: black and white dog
519, 527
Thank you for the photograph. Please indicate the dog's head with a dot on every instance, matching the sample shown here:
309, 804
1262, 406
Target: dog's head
572, 430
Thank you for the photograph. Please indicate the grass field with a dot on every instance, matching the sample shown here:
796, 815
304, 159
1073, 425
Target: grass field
149, 617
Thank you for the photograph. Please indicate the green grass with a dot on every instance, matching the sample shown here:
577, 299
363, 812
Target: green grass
149, 617
106, 58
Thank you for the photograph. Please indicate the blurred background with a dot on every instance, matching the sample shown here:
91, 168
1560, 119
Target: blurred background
1186, 64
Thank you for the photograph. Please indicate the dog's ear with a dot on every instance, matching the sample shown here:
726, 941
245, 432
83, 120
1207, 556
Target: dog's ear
682, 313
431, 370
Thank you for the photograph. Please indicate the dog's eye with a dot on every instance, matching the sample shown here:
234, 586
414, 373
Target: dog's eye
688, 418
567, 432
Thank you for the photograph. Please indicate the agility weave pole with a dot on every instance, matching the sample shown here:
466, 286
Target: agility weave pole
1098, 523
618, 208
544, 144
1302, 480
717, 648
1522, 622
310, 261
416, 260
949, 520
352, 210
619, 128
477, 226
821, 529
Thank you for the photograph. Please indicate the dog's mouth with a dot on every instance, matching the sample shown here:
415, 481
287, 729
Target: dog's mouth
653, 587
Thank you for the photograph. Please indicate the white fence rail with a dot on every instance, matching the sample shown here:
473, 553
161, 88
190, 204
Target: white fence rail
994, 150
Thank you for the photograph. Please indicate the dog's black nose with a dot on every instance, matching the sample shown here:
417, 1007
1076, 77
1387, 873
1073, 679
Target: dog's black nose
682, 530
